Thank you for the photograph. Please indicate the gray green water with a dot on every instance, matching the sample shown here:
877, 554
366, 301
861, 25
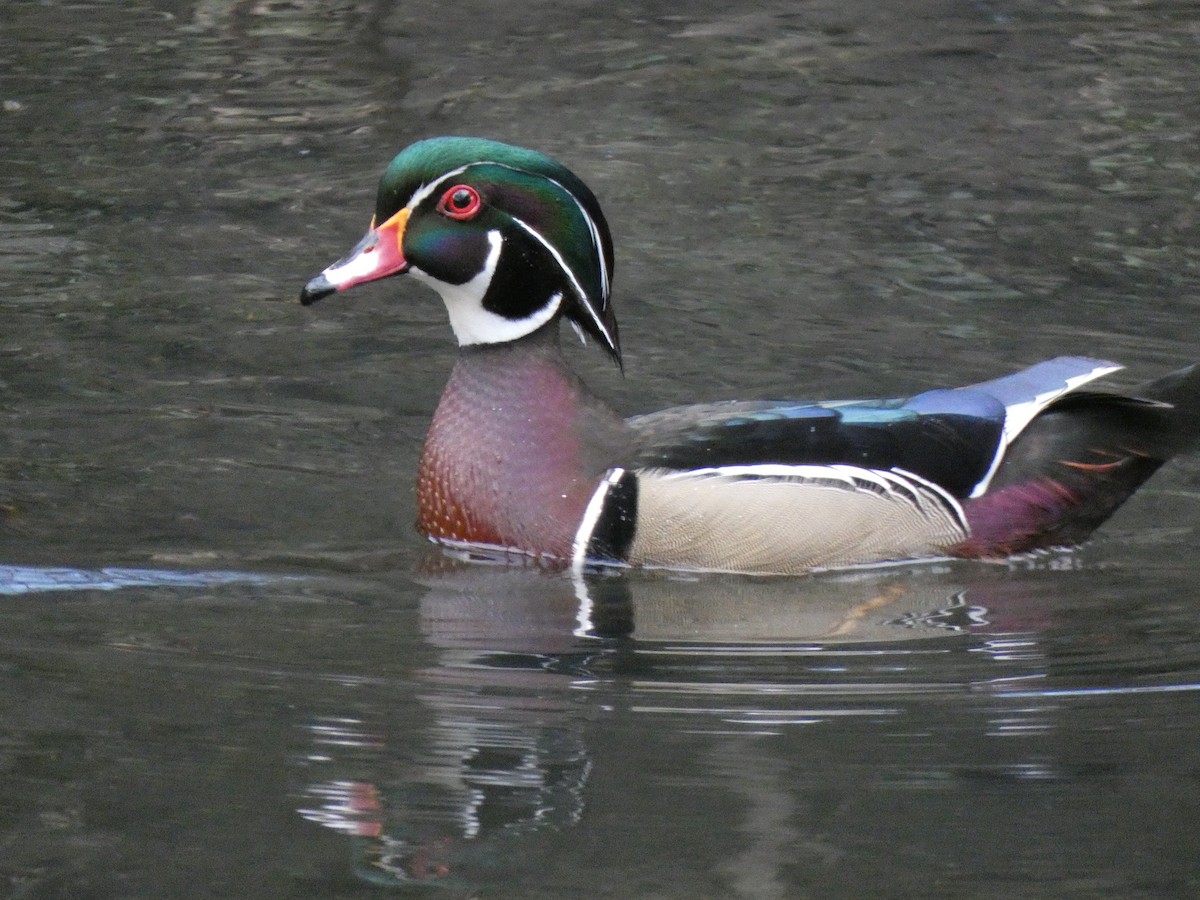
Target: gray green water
809, 199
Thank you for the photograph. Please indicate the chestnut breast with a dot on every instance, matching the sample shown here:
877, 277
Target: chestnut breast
515, 450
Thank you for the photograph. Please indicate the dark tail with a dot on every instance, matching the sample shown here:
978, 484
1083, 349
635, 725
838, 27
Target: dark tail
1181, 392
1078, 461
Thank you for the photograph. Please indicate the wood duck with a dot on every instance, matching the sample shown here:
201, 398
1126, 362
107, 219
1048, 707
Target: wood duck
523, 459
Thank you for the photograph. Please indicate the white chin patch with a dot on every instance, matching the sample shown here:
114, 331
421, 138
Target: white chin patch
472, 323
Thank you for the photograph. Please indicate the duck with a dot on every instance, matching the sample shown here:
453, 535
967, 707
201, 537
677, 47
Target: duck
523, 462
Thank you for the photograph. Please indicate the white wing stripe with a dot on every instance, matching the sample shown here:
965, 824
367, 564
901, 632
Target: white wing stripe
1018, 416
894, 482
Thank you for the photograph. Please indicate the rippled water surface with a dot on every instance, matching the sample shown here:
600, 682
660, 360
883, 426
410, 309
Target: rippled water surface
229, 667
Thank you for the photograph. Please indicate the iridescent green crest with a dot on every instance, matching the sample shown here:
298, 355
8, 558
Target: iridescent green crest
556, 237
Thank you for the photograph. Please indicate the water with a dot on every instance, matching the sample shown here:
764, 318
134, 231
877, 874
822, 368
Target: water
229, 667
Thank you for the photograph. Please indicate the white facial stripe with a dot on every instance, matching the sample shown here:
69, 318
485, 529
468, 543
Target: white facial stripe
595, 232
562, 264
478, 325
606, 284
426, 189
472, 323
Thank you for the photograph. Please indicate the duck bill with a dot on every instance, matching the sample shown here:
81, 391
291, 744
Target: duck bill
379, 254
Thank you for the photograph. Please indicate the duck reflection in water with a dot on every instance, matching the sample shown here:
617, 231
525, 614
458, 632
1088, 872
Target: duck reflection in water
527, 665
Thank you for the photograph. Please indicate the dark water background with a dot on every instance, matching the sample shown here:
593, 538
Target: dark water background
814, 199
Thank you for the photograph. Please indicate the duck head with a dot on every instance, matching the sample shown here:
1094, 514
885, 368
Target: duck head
510, 238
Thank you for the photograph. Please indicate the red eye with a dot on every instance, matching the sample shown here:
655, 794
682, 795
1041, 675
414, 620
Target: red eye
461, 202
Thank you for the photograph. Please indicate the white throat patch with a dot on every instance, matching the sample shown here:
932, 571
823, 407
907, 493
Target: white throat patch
472, 323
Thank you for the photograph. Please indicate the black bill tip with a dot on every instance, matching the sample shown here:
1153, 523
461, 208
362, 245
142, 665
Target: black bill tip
316, 289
